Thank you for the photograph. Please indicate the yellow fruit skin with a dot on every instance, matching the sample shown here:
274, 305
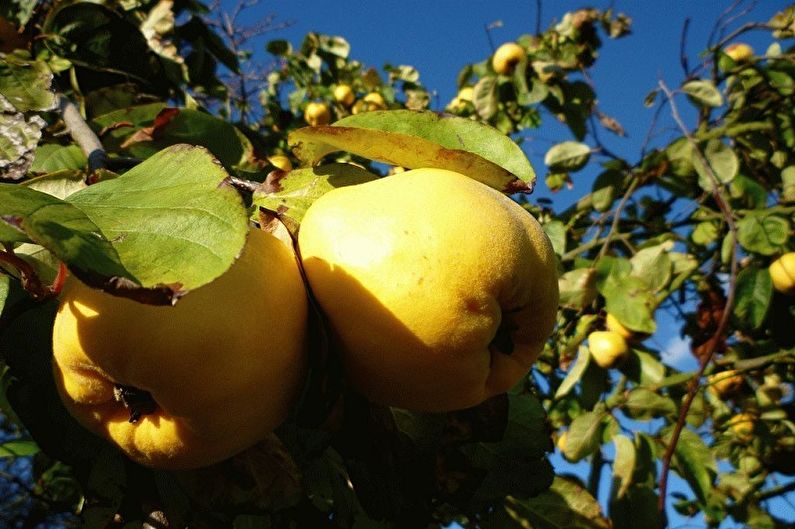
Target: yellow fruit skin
317, 114
782, 271
281, 162
416, 272
224, 365
739, 52
608, 348
612, 324
343, 94
507, 57
724, 383
742, 425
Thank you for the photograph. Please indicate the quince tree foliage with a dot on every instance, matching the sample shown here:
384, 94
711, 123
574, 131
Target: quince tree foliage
135, 153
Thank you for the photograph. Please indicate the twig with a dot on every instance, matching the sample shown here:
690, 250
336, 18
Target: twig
776, 491
617, 216
693, 385
82, 134
683, 48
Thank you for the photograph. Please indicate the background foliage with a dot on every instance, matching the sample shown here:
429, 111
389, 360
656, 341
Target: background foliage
690, 226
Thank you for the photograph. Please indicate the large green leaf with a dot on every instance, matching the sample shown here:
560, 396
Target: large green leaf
644, 404
762, 232
566, 505
575, 373
623, 464
25, 84
567, 156
584, 435
168, 224
577, 288
754, 292
171, 219
723, 163
693, 461
52, 157
416, 139
293, 192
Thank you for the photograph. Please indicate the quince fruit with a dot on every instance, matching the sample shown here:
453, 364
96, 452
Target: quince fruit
372, 101
724, 383
440, 291
343, 94
743, 425
317, 113
281, 161
739, 52
507, 57
782, 271
612, 324
608, 348
189, 385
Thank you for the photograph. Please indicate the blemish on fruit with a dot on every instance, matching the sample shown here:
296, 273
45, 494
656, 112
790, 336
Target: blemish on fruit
138, 401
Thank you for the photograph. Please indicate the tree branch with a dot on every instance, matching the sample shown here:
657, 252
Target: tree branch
693, 385
82, 134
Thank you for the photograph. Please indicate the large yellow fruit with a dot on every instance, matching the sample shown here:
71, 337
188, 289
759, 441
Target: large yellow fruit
507, 57
782, 271
608, 348
317, 113
612, 324
440, 291
724, 383
222, 368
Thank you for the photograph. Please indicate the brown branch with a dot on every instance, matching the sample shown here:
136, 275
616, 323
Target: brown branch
693, 385
82, 134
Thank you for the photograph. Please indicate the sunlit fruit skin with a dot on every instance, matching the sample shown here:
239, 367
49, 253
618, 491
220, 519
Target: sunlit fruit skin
739, 52
743, 425
370, 102
317, 113
344, 95
417, 273
281, 161
612, 324
224, 365
507, 57
782, 272
608, 348
724, 383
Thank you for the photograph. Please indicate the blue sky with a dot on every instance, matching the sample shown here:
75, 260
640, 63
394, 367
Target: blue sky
438, 37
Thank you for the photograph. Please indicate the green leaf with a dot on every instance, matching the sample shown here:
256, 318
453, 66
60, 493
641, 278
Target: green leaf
637, 509
25, 84
693, 461
5, 287
416, 139
630, 300
51, 157
18, 449
788, 184
59, 184
293, 192
754, 292
172, 219
585, 435
705, 233
721, 159
703, 92
484, 97
643, 368
566, 505
605, 189
653, 266
763, 233
567, 156
577, 288
575, 373
556, 231
644, 404
623, 464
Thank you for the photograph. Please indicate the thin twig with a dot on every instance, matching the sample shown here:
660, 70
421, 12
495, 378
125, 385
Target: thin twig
693, 385
82, 134
683, 48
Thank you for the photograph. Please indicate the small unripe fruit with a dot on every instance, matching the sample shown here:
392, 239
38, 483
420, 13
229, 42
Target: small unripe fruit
739, 52
281, 161
724, 383
612, 324
742, 425
317, 113
343, 94
507, 57
782, 271
608, 348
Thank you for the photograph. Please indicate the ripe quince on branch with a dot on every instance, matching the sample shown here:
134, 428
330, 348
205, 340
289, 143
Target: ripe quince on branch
439, 290
193, 384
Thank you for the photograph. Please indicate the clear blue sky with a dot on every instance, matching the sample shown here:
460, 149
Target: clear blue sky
438, 37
